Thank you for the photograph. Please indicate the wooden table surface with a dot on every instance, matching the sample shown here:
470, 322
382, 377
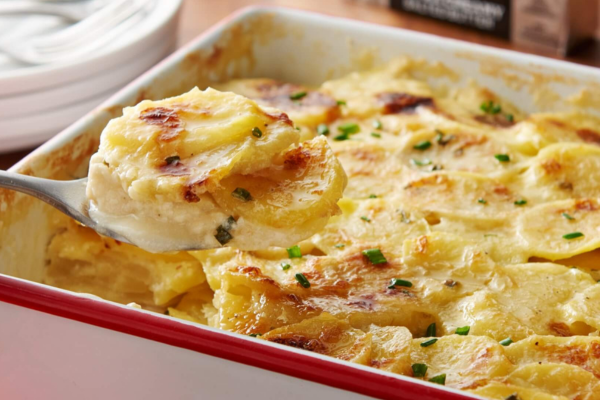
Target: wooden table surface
198, 15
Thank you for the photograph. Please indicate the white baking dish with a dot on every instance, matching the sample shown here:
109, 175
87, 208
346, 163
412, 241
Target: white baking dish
70, 359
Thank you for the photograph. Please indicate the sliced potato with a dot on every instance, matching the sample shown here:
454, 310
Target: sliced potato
561, 229
467, 361
503, 391
304, 106
325, 335
82, 261
388, 90
580, 351
209, 133
296, 194
565, 380
563, 171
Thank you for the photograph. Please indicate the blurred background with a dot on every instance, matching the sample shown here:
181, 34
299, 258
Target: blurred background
61, 59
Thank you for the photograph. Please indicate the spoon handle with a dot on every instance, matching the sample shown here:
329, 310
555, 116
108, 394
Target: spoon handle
66, 196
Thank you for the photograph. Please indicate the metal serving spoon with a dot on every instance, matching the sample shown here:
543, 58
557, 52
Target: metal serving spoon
66, 196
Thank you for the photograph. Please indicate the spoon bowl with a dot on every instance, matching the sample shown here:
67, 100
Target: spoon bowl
69, 197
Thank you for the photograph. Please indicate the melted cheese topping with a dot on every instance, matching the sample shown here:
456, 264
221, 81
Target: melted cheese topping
206, 169
468, 204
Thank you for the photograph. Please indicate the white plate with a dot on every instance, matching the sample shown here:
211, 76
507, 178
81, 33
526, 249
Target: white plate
29, 130
20, 105
32, 128
154, 27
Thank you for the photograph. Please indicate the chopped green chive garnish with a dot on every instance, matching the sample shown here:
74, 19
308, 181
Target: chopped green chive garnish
242, 194
431, 331
419, 370
346, 130
302, 280
399, 282
506, 342
172, 160
323, 129
294, 252
285, 266
502, 157
223, 236
514, 396
375, 256
341, 102
366, 219
573, 235
297, 128
567, 216
424, 145
255, 334
297, 95
510, 118
490, 108
428, 342
442, 139
376, 135
421, 163
340, 246
482, 201
405, 217
256, 132
440, 379
521, 202
377, 124
349, 128
464, 330
229, 222
372, 196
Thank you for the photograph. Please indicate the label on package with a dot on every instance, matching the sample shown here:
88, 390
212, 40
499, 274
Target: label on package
492, 16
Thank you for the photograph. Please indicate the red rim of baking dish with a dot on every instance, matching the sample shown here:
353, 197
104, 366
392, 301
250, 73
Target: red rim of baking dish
253, 352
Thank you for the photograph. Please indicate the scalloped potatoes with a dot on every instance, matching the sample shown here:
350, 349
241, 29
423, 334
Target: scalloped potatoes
464, 201
209, 168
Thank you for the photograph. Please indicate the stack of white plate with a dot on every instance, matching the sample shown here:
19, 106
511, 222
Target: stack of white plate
37, 102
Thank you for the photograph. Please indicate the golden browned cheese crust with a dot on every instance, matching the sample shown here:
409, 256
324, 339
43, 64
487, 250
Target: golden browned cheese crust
487, 219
